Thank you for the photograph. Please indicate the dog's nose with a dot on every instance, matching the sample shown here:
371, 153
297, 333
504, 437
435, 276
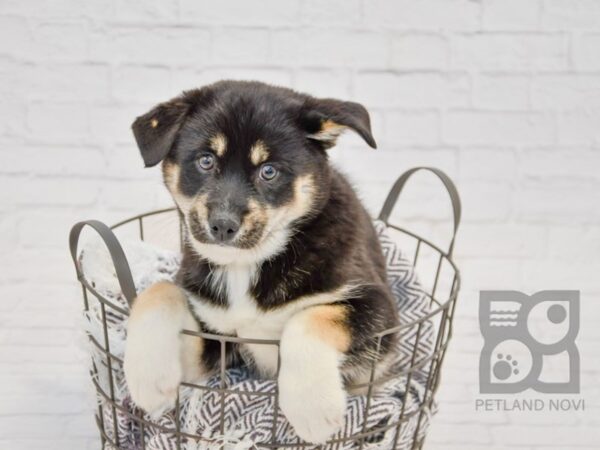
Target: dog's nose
223, 227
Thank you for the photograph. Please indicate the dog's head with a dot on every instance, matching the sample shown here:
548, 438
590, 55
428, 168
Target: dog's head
245, 162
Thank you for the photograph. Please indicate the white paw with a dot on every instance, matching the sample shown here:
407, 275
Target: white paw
153, 366
314, 403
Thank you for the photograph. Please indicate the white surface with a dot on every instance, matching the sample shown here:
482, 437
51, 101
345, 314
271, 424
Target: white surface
503, 95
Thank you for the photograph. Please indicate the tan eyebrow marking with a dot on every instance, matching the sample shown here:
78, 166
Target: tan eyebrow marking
259, 153
219, 144
154, 123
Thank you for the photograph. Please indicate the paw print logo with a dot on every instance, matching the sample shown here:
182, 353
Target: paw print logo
510, 361
505, 367
522, 332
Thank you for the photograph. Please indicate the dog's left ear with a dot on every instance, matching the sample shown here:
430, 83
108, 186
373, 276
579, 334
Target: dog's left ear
325, 119
155, 131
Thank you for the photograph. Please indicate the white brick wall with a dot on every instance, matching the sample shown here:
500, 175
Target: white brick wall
502, 94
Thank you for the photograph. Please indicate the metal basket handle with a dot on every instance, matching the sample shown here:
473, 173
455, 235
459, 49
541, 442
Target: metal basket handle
392, 198
116, 254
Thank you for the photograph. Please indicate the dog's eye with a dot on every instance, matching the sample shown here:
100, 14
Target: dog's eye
268, 172
206, 161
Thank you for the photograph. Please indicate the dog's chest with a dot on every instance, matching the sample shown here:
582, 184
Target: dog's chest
244, 318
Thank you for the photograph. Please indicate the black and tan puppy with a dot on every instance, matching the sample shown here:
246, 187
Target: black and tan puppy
277, 246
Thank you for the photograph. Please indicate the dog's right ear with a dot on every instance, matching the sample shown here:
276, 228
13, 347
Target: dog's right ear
326, 118
156, 130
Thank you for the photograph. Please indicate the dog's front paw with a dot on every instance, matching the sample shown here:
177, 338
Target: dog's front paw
314, 404
153, 363
152, 371
152, 388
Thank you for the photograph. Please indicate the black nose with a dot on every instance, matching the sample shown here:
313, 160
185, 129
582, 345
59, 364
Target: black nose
223, 227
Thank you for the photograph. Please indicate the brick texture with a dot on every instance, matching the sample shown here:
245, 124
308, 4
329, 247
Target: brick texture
504, 95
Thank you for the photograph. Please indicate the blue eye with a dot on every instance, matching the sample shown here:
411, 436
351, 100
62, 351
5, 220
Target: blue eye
268, 172
206, 161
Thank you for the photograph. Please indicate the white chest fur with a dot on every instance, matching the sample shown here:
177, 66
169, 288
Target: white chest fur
235, 281
243, 317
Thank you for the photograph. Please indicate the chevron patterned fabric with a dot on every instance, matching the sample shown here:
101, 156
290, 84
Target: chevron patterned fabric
247, 415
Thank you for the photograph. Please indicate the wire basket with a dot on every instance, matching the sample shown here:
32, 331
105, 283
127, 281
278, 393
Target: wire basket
441, 313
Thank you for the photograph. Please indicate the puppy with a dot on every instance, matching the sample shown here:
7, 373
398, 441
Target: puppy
277, 246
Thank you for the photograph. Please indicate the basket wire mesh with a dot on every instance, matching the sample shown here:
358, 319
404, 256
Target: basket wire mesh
441, 314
